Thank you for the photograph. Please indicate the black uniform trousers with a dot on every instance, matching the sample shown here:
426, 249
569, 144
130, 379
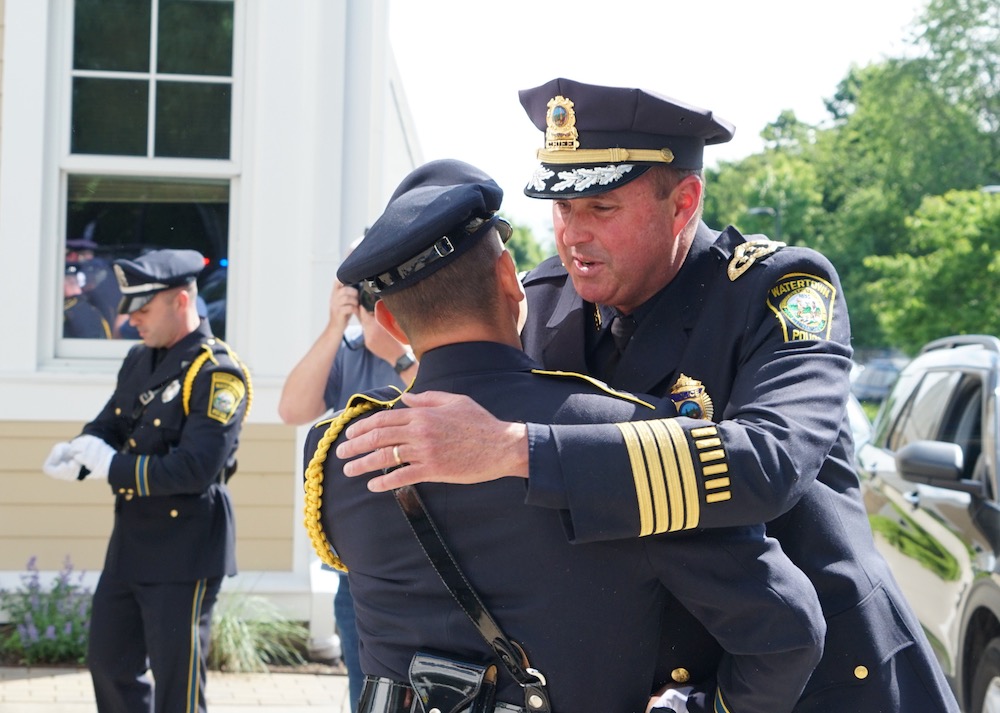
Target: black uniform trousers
170, 621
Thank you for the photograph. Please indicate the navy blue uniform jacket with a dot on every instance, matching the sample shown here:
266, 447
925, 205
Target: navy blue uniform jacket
587, 615
765, 331
173, 514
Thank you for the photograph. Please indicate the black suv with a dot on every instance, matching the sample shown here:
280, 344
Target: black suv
929, 479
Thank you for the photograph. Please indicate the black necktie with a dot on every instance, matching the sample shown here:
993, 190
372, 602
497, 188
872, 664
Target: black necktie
622, 328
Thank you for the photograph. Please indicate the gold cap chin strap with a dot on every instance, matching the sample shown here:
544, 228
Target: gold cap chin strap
612, 155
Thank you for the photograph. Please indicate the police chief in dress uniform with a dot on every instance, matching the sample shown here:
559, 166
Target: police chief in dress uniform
587, 616
166, 444
743, 332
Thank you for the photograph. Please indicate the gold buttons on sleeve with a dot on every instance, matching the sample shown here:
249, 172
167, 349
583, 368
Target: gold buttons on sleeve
131, 442
118, 412
173, 513
156, 422
861, 672
680, 675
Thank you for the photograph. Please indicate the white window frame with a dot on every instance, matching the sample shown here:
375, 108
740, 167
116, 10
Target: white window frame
108, 352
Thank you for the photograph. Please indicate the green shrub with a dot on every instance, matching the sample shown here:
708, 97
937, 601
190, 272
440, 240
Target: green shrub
249, 632
49, 625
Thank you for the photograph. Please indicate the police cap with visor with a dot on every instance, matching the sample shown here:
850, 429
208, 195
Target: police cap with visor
599, 138
435, 215
141, 279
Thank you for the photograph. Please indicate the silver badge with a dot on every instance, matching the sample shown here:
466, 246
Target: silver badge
173, 388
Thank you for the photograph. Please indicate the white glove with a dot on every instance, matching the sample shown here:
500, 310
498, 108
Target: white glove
60, 464
674, 699
93, 453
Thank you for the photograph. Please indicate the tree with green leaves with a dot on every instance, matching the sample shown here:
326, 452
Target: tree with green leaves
961, 43
525, 249
942, 279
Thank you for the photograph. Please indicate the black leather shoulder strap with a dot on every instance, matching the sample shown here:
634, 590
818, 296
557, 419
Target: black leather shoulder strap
510, 653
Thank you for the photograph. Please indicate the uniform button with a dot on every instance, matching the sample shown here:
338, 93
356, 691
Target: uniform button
131, 442
173, 513
680, 675
210, 341
121, 490
861, 672
118, 412
156, 422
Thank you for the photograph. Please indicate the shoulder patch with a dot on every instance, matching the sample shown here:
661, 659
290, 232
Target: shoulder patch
624, 395
746, 254
226, 395
803, 304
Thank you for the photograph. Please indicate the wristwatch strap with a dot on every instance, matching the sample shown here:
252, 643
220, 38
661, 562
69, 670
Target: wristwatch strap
404, 362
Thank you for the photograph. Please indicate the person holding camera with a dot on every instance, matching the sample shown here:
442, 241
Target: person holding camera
345, 359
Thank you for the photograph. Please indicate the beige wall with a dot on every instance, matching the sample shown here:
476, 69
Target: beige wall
53, 519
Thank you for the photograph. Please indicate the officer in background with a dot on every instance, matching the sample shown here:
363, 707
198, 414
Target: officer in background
586, 616
165, 443
343, 361
746, 335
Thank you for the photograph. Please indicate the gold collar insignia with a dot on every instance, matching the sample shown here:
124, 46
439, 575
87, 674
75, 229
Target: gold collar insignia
746, 254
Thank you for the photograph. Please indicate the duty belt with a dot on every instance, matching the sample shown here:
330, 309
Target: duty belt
382, 695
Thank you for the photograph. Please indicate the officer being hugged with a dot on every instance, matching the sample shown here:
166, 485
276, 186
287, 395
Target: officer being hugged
166, 444
585, 618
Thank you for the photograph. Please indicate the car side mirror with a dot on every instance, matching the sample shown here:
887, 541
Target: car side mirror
936, 463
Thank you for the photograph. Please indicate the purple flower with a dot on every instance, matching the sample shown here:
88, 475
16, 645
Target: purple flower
50, 632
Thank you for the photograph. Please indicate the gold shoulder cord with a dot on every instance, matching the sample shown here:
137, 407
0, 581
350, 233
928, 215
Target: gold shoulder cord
200, 362
314, 484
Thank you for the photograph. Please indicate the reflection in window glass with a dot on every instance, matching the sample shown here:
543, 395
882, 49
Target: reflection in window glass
112, 35
98, 130
922, 417
193, 120
196, 37
111, 217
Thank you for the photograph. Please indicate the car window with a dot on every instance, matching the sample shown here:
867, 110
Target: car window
921, 416
962, 423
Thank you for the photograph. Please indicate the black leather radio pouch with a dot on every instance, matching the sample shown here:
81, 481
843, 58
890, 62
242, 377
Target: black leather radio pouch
452, 686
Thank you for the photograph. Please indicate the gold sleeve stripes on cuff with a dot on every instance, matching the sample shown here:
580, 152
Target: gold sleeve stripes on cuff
666, 476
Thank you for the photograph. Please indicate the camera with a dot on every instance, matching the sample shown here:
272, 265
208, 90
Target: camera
365, 298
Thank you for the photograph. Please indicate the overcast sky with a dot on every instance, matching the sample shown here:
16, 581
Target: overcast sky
463, 61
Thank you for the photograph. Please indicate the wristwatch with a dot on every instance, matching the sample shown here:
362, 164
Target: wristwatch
404, 362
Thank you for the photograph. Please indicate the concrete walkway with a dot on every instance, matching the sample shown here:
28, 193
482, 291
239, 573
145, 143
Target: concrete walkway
68, 690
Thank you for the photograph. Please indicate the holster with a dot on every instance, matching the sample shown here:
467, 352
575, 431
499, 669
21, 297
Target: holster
452, 686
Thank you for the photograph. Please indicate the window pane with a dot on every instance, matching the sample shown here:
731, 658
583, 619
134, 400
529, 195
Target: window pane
111, 35
922, 416
195, 37
192, 120
110, 217
109, 116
